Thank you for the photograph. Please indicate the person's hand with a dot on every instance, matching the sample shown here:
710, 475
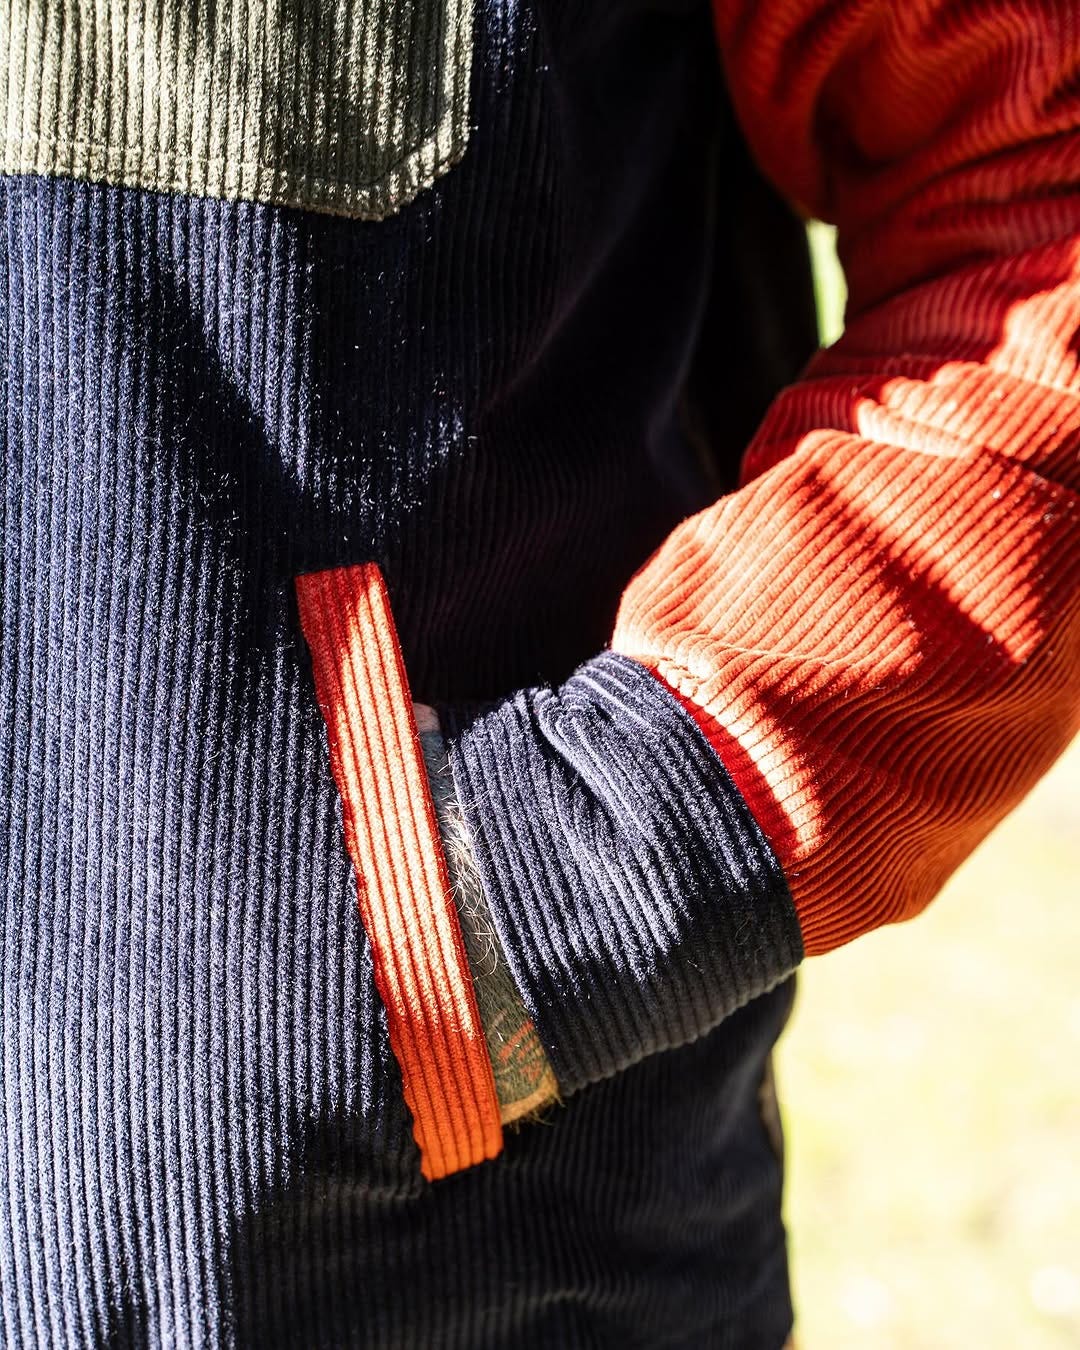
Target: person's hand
427, 719
525, 1082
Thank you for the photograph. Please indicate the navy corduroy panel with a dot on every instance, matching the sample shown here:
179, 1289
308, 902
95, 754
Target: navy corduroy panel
204, 1140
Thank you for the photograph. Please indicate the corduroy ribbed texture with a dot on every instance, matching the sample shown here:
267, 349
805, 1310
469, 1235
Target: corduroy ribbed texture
349, 106
421, 968
204, 1139
636, 900
205, 1136
880, 633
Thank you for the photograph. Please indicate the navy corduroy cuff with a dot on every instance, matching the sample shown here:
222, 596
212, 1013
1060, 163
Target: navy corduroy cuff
636, 899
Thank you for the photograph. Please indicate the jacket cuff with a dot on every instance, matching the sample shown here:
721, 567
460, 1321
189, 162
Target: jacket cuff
635, 898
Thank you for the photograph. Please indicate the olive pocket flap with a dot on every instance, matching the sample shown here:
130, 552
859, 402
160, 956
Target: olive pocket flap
348, 106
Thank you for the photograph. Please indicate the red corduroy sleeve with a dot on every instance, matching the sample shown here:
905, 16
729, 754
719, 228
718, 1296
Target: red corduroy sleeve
880, 632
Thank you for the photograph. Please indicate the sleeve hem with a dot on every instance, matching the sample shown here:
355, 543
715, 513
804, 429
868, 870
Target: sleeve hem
636, 899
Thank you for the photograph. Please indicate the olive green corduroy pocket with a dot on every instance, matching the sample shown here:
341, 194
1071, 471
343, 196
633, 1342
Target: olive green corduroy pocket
347, 106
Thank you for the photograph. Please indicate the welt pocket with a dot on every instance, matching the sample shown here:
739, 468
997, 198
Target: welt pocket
421, 969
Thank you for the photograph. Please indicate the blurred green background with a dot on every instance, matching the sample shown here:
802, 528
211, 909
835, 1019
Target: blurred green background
930, 1083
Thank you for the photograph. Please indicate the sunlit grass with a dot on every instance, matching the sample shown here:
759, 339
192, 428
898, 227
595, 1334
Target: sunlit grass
830, 289
932, 1103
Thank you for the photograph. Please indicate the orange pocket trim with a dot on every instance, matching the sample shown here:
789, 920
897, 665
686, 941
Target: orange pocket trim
421, 969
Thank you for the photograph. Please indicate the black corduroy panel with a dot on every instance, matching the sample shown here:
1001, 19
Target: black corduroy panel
636, 899
644, 1214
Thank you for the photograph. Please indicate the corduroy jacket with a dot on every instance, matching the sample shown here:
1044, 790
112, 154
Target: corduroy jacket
358, 355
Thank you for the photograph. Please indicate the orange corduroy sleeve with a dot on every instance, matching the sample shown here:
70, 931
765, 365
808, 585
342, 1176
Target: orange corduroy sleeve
880, 631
